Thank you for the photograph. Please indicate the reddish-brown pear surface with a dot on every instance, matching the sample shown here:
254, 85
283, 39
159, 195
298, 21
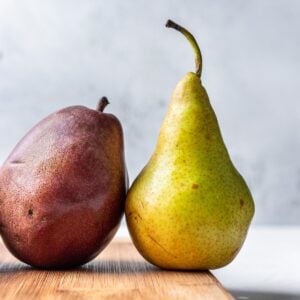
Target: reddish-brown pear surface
63, 187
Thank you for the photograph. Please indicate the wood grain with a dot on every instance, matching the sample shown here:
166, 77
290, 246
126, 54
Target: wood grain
119, 272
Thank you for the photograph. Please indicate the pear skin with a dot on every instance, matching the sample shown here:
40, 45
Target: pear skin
189, 208
63, 188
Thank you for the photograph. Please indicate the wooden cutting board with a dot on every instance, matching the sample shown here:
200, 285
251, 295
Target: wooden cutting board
119, 272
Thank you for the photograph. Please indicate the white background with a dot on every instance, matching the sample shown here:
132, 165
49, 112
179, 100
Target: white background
60, 53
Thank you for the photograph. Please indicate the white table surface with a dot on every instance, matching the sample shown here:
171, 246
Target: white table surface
267, 267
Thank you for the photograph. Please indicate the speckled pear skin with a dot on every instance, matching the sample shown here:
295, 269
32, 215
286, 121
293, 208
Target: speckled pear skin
63, 189
189, 208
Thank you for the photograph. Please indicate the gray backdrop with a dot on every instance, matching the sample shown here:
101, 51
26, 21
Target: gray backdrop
59, 53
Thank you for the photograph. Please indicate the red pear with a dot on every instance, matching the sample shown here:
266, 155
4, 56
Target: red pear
62, 189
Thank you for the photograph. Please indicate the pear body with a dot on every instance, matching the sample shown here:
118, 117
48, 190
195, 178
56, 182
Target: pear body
189, 208
63, 188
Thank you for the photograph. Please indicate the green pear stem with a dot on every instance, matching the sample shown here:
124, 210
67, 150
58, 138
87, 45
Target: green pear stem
102, 104
193, 42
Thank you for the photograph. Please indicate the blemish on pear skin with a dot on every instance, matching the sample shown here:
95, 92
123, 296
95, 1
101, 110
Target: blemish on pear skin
137, 217
195, 186
17, 238
16, 162
163, 248
241, 203
30, 212
235, 251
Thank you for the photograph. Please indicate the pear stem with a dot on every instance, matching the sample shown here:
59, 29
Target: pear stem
102, 104
193, 42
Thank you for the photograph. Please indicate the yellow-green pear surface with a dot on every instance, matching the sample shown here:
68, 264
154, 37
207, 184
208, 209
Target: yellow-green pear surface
189, 208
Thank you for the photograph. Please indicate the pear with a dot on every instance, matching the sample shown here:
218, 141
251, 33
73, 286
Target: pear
63, 188
189, 208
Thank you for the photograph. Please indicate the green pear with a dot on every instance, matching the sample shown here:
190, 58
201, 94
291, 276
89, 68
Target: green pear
189, 208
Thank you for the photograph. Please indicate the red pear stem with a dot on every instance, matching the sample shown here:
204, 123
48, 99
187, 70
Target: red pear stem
102, 104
